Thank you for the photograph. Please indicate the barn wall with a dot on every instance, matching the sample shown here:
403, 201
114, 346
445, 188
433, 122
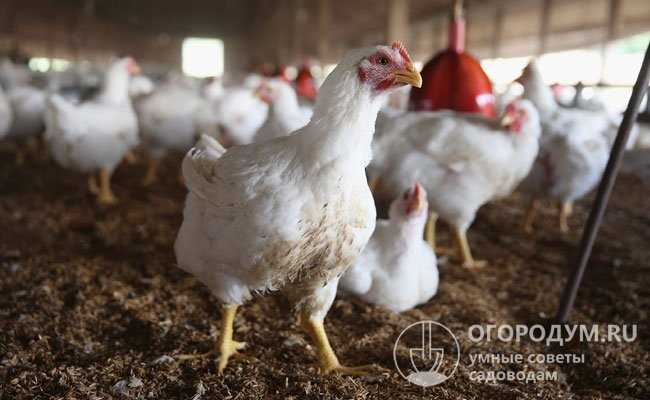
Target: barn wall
53, 30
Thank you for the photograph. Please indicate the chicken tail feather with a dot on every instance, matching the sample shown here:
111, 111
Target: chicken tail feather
198, 165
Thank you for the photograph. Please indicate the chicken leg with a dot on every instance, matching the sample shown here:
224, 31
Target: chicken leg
227, 346
465, 251
329, 363
529, 217
20, 157
105, 193
130, 157
430, 230
566, 209
92, 185
373, 183
152, 172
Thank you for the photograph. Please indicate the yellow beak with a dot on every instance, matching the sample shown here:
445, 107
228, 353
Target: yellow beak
408, 76
262, 93
507, 120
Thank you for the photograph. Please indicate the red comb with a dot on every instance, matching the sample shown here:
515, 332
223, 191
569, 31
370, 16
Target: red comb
397, 45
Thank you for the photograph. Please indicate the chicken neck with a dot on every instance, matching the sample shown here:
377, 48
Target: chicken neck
116, 87
343, 122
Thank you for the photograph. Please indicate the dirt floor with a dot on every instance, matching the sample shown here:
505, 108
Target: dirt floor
91, 300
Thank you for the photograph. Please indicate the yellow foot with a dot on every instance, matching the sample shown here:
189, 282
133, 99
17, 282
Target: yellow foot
474, 264
92, 185
564, 227
152, 172
229, 349
193, 356
529, 217
130, 158
149, 180
528, 229
354, 371
106, 199
566, 209
20, 158
445, 251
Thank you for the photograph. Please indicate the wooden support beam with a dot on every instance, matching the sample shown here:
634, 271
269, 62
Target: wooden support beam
398, 21
299, 16
613, 24
545, 26
498, 31
324, 17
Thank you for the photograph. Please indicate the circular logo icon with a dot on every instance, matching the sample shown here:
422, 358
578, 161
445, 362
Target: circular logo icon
426, 353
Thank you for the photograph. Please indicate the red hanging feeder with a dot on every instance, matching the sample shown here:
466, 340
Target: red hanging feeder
453, 79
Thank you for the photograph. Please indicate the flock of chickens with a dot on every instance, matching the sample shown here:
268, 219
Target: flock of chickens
282, 194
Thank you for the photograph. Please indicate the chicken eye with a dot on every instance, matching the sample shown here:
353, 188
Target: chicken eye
383, 61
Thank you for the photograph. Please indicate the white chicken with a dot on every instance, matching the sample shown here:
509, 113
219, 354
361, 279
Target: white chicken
292, 213
390, 124
141, 86
568, 167
285, 113
397, 269
95, 135
557, 119
463, 161
28, 105
169, 120
6, 115
213, 91
643, 140
637, 162
240, 114
252, 81
574, 149
12, 75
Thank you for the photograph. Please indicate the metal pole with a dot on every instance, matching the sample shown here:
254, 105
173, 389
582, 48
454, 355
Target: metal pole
604, 190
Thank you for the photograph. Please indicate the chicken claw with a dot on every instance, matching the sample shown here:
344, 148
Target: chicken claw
229, 349
92, 185
152, 172
430, 230
106, 199
529, 217
329, 363
566, 209
474, 264
227, 346
105, 195
466, 253
130, 157
373, 183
